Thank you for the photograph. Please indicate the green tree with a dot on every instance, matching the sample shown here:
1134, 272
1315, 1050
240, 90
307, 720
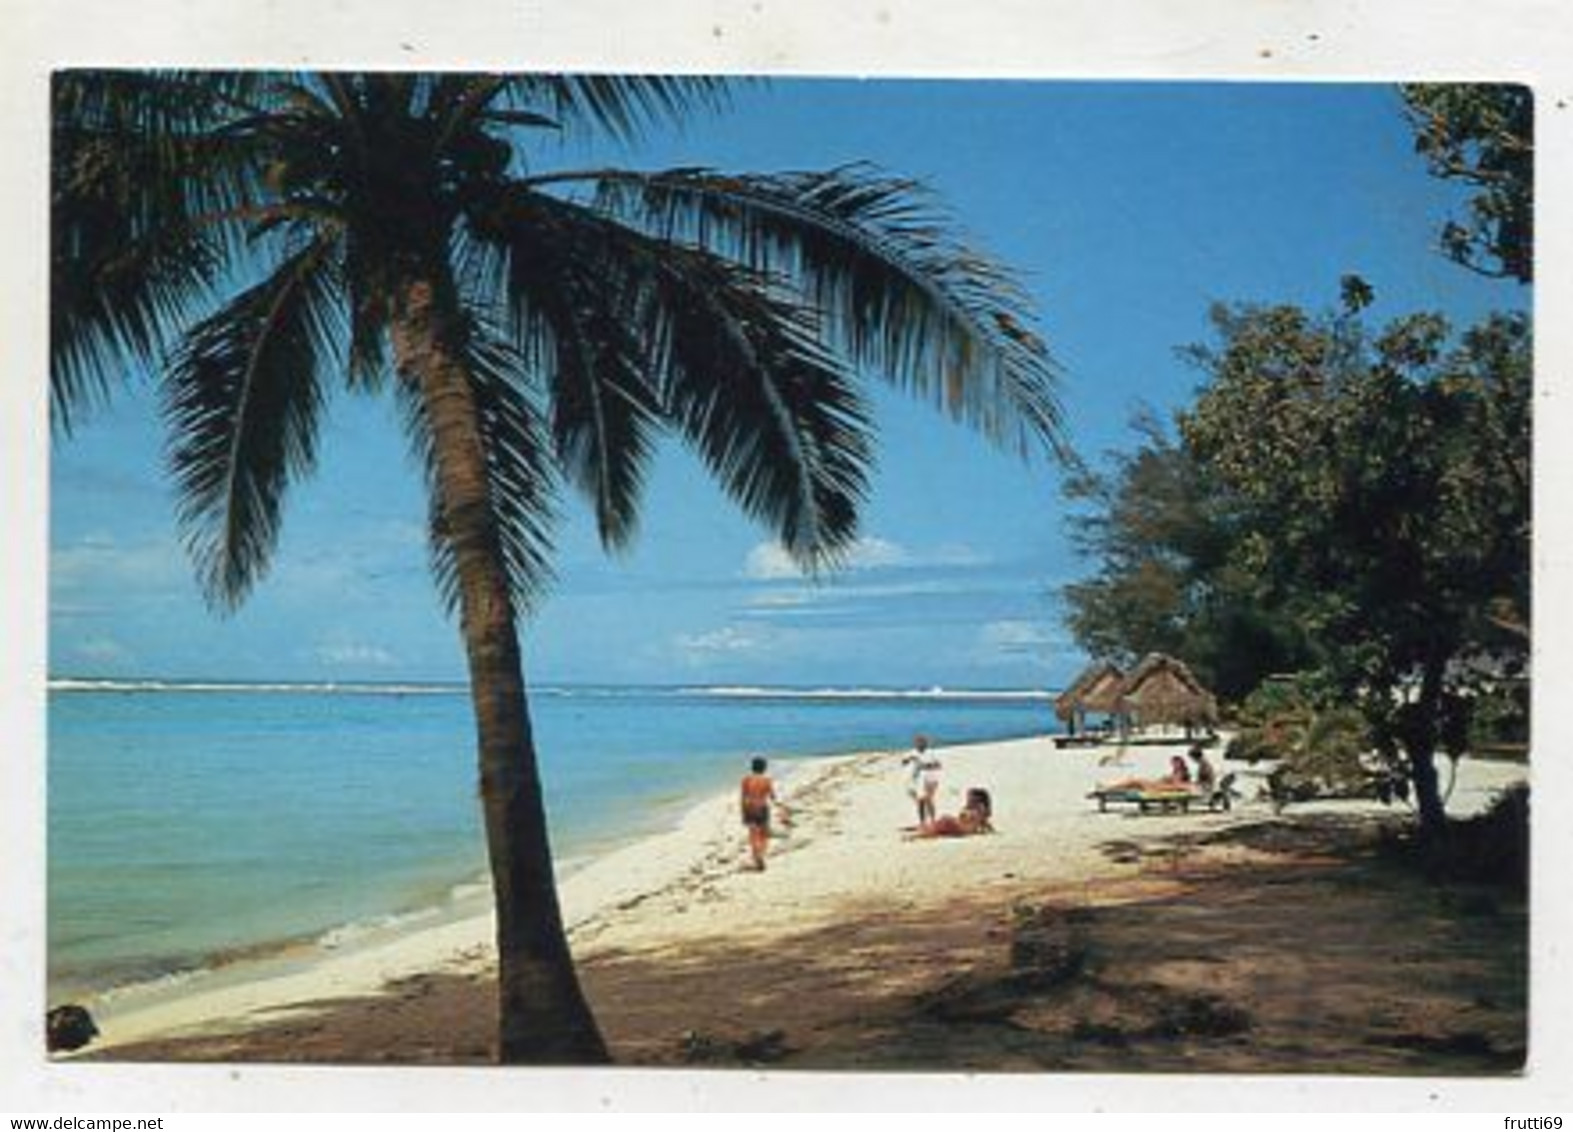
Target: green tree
1482, 135
250, 237
1172, 572
1387, 480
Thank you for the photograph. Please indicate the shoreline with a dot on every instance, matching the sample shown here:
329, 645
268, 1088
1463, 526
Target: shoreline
464, 894
184, 908
275, 978
683, 891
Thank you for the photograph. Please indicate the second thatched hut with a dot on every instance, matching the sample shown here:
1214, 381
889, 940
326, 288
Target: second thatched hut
1163, 692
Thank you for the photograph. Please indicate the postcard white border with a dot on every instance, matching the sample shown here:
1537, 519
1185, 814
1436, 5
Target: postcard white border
1244, 40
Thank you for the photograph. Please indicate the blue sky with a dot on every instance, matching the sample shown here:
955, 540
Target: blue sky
1127, 209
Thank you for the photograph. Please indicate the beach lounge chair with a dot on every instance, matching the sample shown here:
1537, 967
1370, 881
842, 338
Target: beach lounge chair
1062, 742
1146, 797
1166, 796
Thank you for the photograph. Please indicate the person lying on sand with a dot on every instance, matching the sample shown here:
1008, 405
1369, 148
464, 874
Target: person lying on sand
975, 817
964, 824
981, 806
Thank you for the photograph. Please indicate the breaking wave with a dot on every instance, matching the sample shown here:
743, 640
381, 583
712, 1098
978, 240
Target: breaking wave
585, 691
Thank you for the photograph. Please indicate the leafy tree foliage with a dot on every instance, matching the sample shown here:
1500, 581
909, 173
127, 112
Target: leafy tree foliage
1361, 500
1386, 480
1482, 135
1350, 503
1172, 575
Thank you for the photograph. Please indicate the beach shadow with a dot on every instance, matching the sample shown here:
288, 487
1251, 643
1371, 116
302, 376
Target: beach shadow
1314, 956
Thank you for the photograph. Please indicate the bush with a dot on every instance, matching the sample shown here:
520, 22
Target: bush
1499, 718
1272, 720
1252, 747
1493, 848
1321, 751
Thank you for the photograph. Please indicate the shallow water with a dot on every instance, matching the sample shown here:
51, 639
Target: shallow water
192, 825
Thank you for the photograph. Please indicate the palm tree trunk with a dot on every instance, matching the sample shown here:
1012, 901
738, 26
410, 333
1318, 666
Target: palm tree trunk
543, 1016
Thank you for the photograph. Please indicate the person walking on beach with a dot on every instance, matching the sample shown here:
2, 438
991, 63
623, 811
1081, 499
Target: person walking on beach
923, 781
758, 792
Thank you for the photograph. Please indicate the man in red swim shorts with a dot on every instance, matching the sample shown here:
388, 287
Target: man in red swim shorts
757, 794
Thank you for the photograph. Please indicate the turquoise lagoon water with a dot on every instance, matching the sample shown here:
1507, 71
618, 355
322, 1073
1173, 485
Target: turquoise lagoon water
189, 824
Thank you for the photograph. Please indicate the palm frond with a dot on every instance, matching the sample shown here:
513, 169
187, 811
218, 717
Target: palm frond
366, 296
571, 325
242, 401
456, 102
140, 161
522, 118
110, 309
623, 106
771, 411
521, 480
734, 367
158, 101
900, 293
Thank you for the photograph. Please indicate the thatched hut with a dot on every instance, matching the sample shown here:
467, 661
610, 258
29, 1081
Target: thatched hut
1163, 691
1096, 690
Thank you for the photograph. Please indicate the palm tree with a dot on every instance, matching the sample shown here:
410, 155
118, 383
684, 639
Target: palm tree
250, 236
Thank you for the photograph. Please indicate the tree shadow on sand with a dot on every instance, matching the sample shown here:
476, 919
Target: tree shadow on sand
1264, 948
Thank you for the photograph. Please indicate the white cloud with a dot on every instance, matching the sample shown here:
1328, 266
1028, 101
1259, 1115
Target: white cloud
351, 655
810, 601
1014, 638
770, 562
1008, 633
157, 564
401, 533
781, 601
729, 640
100, 650
870, 553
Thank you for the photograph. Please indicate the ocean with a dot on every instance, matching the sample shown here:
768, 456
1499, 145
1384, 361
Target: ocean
193, 824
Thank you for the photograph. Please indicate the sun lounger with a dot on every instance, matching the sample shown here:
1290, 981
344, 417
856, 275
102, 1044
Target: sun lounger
1166, 798
1146, 798
1064, 741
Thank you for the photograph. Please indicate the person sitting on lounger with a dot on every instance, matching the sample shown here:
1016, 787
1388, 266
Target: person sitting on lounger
1206, 776
1179, 776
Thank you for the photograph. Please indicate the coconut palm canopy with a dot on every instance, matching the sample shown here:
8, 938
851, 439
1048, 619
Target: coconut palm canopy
1163, 690
254, 238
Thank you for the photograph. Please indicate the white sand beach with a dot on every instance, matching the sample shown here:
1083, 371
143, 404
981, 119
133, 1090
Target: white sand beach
845, 852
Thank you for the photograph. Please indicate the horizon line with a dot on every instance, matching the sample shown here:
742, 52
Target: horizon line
154, 683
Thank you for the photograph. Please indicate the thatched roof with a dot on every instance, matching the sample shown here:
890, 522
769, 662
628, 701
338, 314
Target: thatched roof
1162, 689
1096, 689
